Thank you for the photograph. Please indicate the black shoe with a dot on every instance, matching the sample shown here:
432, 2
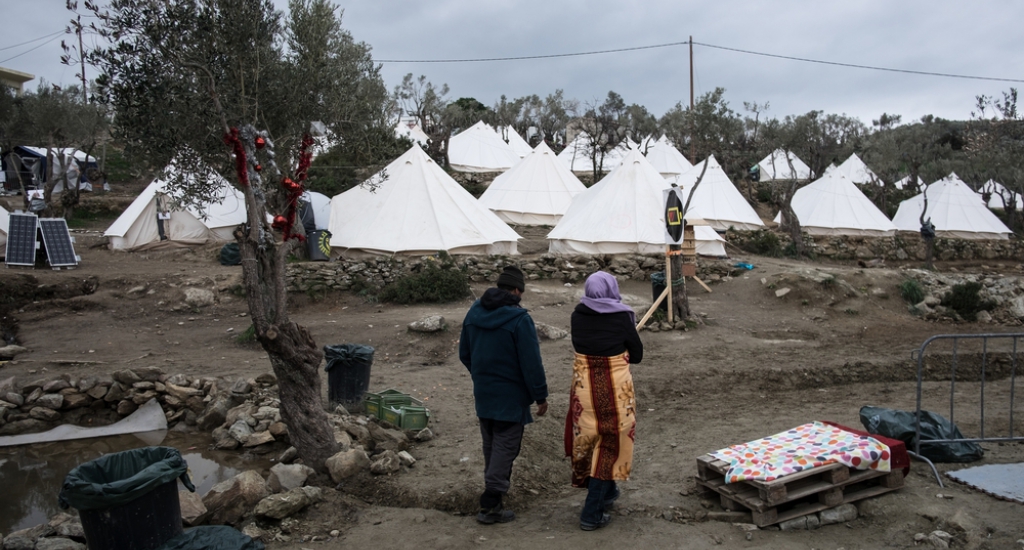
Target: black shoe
495, 515
610, 501
605, 519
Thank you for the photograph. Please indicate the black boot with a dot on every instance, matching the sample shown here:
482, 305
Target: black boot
491, 510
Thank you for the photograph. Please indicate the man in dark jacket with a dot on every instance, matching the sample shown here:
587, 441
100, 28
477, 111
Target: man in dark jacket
499, 347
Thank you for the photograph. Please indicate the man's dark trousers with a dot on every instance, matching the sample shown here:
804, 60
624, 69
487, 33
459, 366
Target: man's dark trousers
502, 441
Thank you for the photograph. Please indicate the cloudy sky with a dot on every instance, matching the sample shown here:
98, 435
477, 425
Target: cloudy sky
979, 39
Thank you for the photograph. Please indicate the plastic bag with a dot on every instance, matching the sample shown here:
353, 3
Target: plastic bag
347, 354
230, 255
119, 478
902, 425
212, 537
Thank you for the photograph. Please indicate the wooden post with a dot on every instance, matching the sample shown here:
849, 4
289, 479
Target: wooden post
668, 284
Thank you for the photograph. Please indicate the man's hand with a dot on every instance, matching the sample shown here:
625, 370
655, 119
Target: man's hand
542, 408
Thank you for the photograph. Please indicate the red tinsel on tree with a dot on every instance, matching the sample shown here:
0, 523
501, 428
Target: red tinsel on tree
296, 188
233, 140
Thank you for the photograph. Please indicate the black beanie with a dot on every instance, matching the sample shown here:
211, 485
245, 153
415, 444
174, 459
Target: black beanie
513, 277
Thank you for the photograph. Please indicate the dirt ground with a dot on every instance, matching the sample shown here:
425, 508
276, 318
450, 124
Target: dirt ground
758, 365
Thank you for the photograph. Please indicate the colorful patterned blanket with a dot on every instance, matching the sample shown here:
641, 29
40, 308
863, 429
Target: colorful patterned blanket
803, 447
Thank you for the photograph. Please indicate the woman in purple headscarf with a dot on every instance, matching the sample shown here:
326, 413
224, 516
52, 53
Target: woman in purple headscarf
600, 426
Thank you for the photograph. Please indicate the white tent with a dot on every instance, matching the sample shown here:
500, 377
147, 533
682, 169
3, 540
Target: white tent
480, 149
153, 220
857, 172
831, 166
1001, 196
5, 222
833, 205
321, 205
776, 166
517, 142
416, 209
717, 201
412, 131
576, 155
75, 162
623, 214
537, 191
905, 183
666, 159
955, 210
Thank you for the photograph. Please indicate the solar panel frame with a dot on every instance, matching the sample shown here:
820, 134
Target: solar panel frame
22, 242
60, 251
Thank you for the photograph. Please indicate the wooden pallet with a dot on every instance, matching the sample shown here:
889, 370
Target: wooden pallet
793, 495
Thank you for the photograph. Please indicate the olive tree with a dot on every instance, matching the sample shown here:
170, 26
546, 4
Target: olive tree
233, 86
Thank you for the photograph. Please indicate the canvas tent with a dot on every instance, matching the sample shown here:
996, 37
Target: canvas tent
34, 167
955, 210
154, 220
854, 170
417, 209
516, 141
480, 149
833, 205
717, 201
1000, 196
623, 214
576, 155
666, 159
5, 221
537, 191
831, 166
776, 166
905, 183
320, 205
411, 130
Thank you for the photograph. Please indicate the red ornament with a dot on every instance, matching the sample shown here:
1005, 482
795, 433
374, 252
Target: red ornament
280, 223
291, 185
260, 142
259, 167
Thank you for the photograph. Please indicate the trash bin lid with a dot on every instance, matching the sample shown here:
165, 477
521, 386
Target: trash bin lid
119, 478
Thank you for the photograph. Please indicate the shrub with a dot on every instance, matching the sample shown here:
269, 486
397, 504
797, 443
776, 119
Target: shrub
911, 291
435, 283
765, 243
964, 300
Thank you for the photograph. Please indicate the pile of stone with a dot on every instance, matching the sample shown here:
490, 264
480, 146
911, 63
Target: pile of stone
1005, 292
62, 532
44, 403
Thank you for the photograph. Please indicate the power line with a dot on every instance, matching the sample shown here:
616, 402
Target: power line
673, 44
33, 40
31, 49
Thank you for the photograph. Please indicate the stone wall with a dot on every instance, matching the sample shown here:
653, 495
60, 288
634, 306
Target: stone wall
902, 247
374, 274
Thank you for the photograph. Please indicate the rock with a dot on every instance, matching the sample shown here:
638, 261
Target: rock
57, 543
126, 407
44, 414
193, 511
17, 542
215, 414
267, 413
347, 464
50, 401
285, 477
432, 323
984, 317
241, 431
284, 505
228, 501
257, 439
54, 386
199, 297
393, 440
386, 463
939, 539
241, 387
548, 332
253, 531
361, 434
266, 379
126, 377
840, 514
406, 458
1015, 306
14, 397
115, 393
11, 351
7, 385
343, 440
932, 301
76, 400
289, 455
144, 397
181, 392
781, 292
794, 524
340, 410
97, 392
34, 395
27, 425
812, 521
278, 429
424, 435
145, 385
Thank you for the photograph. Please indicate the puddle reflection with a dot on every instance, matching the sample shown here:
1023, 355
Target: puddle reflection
31, 475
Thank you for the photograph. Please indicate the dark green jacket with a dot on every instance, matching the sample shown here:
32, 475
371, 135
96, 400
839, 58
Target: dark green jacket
499, 347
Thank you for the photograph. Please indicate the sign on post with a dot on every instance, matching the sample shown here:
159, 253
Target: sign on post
673, 216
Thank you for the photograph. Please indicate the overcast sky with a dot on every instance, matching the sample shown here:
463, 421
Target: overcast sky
979, 38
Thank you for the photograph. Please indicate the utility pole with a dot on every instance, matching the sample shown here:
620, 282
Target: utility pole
693, 154
85, 90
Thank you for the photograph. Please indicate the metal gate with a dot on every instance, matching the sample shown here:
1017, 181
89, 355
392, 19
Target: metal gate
967, 345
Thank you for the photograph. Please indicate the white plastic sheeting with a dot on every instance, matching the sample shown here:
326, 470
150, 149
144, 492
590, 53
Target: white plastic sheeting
480, 149
955, 210
622, 214
717, 201
416, 209
5, 222
833, 205
537, 191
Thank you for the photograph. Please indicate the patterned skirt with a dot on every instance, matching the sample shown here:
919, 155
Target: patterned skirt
601, 423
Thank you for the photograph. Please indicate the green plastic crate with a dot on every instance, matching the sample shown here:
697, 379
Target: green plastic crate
392, 415
407, 417
375, 402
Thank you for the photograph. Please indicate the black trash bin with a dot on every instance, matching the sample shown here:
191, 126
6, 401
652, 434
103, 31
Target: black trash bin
128, 500
657, 287
348, 374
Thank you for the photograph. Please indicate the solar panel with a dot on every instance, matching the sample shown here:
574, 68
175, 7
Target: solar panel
21, 239
57, 242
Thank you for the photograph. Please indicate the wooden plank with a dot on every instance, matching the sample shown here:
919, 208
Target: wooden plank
706, 287
650, 312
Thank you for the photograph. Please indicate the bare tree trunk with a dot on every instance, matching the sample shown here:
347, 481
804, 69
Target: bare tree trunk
791, 222
680, 300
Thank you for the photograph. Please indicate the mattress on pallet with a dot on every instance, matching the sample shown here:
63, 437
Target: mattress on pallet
808, 446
